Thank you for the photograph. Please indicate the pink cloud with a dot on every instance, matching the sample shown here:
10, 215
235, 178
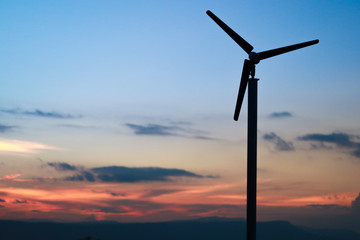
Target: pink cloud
10, 177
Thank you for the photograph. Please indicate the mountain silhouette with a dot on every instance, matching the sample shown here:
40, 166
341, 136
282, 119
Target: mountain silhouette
200, 229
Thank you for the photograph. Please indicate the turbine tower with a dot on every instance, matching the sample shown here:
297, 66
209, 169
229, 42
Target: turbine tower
249, 70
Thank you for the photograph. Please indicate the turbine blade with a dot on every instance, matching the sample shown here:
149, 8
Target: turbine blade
278, 51
243, 83
239, 40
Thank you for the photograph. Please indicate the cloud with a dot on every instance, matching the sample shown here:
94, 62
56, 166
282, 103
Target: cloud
5, 128
62, 166
112, 193
132, 209
126, 174
280, 144
341, 140
14, 177
204, 138
20, 201
280, 115
39, 113
168, 130
154, 129
10, 176
82, 176
8, 146
2, 200
356, 153
160, 192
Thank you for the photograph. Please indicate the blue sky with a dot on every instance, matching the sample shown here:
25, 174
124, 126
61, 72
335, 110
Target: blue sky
153, 84
119, 54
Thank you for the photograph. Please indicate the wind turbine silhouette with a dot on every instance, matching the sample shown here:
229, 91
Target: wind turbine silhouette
249, 69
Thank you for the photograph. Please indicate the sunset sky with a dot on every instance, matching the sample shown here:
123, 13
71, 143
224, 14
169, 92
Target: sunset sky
122, 110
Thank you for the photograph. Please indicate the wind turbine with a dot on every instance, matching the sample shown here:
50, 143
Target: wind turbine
249, 69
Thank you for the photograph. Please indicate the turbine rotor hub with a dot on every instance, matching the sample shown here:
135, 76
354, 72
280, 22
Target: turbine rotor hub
254, 57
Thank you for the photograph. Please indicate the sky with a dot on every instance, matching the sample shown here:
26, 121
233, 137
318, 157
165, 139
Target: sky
122, 110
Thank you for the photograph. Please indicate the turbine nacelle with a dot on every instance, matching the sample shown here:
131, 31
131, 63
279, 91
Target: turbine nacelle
254, 57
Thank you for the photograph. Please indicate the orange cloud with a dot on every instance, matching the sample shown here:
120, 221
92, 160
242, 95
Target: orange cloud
143, 202
104, 204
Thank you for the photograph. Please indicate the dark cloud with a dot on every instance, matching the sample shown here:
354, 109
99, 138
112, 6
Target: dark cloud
20, 201
5, 128
280, 144
178, 129
204, 138
112, 210
320, 145
82, 176
341, 140
159, 192
126, 174
114, 194
39, 113
62, 166
2, 200
122, 174
154, 129
280, 115
356, 153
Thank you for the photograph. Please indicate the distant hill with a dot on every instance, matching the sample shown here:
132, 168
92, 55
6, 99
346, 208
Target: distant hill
200, 229
333, 233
